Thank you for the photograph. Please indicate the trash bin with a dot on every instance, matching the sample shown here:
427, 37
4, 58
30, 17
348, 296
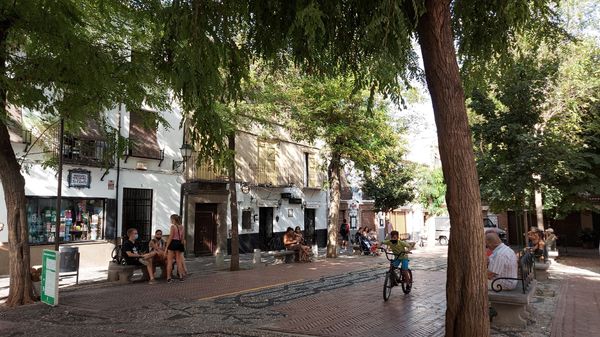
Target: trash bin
69, 259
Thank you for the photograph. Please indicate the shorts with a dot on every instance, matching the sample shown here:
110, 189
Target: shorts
344, 237
176, 245
404, 263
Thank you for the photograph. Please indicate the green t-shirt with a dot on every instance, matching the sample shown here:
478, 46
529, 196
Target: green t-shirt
398, 248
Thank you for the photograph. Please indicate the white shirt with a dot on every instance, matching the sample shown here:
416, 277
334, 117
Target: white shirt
503, 263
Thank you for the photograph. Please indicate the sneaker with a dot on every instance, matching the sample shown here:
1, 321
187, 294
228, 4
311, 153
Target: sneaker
181, 279
170, 280
152, 282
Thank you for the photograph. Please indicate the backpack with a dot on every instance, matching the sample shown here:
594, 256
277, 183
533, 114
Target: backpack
344, 229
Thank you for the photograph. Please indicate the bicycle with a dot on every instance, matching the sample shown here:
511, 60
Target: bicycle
117, 255
395, 276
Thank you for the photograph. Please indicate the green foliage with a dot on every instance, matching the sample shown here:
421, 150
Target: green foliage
538, 118
431, 190
390, 183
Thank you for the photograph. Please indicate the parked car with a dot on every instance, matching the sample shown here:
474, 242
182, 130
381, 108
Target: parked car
490, 226
442, 229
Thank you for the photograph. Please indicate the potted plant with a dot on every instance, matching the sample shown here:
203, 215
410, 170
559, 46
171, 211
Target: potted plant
588, 238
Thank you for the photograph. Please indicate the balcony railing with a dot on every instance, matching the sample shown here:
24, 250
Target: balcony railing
86, 152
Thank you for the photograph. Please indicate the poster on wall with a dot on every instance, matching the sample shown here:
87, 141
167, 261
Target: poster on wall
79, 178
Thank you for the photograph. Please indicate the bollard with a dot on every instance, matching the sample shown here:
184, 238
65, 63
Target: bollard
315, 251
219, 260
256, 260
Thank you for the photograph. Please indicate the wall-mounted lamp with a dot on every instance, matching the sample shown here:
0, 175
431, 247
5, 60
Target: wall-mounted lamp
186, 152
279, 202
245, 188
303, 206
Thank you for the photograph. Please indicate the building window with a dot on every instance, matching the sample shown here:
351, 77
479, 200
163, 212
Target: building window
137, 211
311, 168
246, 219
143, 141
267, 162
81, 219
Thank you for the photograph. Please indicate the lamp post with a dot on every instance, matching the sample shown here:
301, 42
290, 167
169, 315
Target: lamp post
186, 152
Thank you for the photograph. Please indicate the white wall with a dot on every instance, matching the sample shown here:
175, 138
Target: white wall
269, 197
165, 195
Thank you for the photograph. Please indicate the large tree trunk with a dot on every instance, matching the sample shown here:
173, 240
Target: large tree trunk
235, 250
20, 291
334, 204
466, 290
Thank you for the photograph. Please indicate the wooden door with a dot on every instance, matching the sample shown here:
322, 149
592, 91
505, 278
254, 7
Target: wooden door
309, 226
265, 228
205, 229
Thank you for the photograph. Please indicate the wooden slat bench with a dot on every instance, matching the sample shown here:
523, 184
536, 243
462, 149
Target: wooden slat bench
511, 306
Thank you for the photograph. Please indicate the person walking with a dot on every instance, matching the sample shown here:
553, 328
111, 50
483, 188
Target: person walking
175, 248
344, 232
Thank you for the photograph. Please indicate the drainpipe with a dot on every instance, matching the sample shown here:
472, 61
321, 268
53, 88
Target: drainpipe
118, 174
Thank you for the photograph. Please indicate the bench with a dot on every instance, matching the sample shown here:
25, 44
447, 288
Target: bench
512, 306
285, 256
541, 270
122, 273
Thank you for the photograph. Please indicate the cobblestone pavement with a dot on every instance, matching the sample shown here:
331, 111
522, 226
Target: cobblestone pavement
340, 297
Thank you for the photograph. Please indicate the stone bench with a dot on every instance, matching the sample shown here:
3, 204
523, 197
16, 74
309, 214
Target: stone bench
541, 270
512, 306
122, 273
284, 256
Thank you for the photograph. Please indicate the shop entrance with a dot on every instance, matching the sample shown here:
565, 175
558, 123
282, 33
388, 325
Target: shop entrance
137, 212
309, 226
205, 229
265, 228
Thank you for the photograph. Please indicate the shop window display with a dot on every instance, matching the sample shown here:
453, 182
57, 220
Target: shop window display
80, 219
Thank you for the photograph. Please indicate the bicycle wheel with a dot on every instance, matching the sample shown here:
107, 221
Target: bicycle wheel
407, 286
387, 286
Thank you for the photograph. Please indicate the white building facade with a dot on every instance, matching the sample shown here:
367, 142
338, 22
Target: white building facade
140, 190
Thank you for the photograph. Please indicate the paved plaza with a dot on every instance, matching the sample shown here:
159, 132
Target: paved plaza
330, 297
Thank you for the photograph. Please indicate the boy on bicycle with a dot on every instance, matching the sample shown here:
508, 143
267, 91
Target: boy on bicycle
400, 249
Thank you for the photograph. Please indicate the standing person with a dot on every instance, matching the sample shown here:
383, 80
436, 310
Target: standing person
551, 239
388, 228
175, 248
344, 231
133, 258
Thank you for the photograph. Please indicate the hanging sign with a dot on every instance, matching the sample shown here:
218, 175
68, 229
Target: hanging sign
79, 178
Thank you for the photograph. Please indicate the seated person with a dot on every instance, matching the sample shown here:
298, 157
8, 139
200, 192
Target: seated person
372, 237
357, 235
299, 235
538, 247
502, 262
158, 252
400, 249
290, 241
131, 255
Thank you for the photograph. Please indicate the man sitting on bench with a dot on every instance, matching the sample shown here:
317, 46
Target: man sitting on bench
131, 255
502, 262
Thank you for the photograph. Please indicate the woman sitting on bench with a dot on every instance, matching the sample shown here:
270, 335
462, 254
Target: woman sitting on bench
291, 242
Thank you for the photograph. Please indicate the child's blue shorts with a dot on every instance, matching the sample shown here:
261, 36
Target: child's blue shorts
404, 263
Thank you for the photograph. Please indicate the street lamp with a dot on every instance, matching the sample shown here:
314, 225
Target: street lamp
186, 152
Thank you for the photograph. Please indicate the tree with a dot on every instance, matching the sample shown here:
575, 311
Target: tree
65, 59
373, 42
390, 183
352, 126
534, 127
431, 190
